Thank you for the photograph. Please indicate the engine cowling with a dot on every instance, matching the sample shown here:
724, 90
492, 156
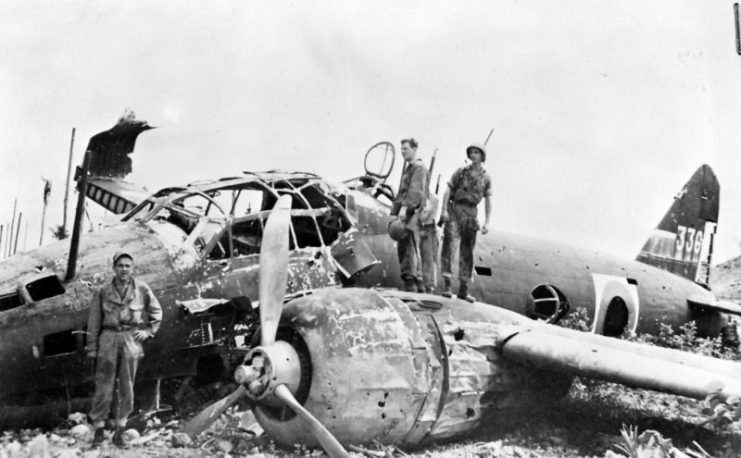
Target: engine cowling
400, 368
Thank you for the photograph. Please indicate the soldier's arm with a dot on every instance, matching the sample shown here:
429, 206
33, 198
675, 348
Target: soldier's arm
446, 198
487, 202
93, 323
154, 310
449, 189
487, 210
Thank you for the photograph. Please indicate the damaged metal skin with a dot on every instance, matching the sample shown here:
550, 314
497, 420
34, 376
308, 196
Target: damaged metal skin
201, 262
405, 368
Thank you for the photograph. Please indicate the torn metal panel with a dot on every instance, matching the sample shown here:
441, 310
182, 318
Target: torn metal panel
111, 148
199, 304
352, 254
118, 197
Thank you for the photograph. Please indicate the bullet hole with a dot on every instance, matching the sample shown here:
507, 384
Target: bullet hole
383, 416
385, 395
450, 352
381, 403
470, 413
458, 334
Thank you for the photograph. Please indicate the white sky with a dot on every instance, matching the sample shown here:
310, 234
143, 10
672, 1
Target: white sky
601, 110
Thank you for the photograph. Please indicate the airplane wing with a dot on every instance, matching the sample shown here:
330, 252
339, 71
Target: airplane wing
700, 303
613, 360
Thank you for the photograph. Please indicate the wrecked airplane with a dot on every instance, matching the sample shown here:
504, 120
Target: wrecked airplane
361, 366
198, 247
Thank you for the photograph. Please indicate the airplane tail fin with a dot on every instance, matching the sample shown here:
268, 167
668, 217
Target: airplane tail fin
682, 243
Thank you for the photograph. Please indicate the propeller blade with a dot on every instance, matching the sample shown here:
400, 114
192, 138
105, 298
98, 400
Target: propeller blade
203, 420
274, 268
328, 442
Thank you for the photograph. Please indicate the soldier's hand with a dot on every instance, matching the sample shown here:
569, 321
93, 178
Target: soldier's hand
141, 336
485, 229
92, 354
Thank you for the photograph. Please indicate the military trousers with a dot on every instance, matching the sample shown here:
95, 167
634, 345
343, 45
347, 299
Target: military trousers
428, 245
409, 260
459, 237
115, 370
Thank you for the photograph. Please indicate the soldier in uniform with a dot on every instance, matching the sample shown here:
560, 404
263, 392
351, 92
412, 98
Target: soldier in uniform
123, 313
466, 188
408, 202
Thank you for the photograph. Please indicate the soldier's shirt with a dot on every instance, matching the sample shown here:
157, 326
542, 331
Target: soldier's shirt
137, 308
469, 185
413, 187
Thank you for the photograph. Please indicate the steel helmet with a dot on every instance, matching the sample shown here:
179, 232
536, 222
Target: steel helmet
479, 147
397, 230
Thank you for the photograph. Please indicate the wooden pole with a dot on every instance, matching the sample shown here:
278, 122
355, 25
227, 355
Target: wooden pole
43, 221
25, 237
69, 176
12, 226
2, 229
17, 232
7, 237
47, 192
79, 213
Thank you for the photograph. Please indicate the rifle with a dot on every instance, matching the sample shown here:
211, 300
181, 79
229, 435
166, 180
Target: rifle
489, 136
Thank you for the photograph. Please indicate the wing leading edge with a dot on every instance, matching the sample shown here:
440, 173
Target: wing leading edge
608, 359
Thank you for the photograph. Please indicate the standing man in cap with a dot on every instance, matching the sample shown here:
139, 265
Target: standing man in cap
123, 313
408, 202
466, 188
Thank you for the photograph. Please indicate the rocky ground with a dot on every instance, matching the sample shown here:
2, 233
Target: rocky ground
586, 423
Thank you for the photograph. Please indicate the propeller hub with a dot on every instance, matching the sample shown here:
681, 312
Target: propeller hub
268, 366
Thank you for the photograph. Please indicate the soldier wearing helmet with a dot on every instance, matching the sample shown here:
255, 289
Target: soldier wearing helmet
408, 202
467, 187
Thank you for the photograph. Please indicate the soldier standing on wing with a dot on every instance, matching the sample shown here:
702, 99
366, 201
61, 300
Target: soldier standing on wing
408, 203
466, 188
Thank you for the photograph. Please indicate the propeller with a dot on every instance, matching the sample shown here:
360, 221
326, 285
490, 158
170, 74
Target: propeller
272, 368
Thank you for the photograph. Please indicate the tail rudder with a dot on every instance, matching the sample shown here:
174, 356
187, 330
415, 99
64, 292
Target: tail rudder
682, 243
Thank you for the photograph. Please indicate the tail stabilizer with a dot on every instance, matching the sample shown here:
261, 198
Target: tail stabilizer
682, 243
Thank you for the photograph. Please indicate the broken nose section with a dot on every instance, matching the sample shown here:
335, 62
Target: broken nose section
266, 367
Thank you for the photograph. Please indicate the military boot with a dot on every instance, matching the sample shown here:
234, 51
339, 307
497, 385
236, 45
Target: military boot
410, 285
463, 293
447, 289
420, 285
118, 437
98, 437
